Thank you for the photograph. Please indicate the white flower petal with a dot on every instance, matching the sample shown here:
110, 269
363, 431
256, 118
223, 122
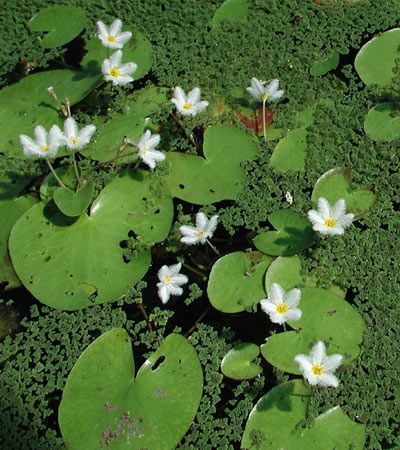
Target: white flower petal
332, 362
175, 269
128, 68
211, 226
277, 294
201, 221
144, 139
40, 135
328, 379
194, 95
123, 38
153, 141
85, 135
293, 314
276, 96
324, 208
318, 353
115, 27
267, 306
70, 128
272, 87
163, 272
180, 279
292, 298
190, 240
345, 220
115, 59
339, 209
179, 95
315, 217
277, 318
187, 230
102, 29
164, 294
304, 362
200, 106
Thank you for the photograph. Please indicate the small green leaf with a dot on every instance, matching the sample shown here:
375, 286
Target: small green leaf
382, 122
291, 151
236, 282
105, 406
335, 184
278, 420
294, 234
325, 317
218, 176
73, 203
325, 64
238, 362
377, 58
50, 184
54, 20
235, 11
286, 271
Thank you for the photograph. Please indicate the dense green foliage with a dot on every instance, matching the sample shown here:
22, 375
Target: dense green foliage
280, 39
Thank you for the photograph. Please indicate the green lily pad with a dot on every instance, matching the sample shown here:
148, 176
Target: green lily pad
278, 421
10, 211
73, 203
238, 362
286, 271
236, 282
50, 184
85, 256
27, 103
335, 184
325, 64
382, 122
375, 61
105, 406
326, 317
294, 234
110, 132
235, 11
53, 20
218, 176
138, 50
291, 151
12, 183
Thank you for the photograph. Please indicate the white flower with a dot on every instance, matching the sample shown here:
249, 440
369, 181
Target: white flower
75, 139
116, 72
147, 151
45, 144
204, 229
170, 281
188, 105
262, 93
330, 220
112, 36
318, 368
281, 306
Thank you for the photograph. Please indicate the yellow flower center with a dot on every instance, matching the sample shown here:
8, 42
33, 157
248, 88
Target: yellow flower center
187, 105
73, 140
317, 370
168, 279
144, 150
114, 72
264, 97
199, 233
111, 39
281, 308
44, 148
330, 222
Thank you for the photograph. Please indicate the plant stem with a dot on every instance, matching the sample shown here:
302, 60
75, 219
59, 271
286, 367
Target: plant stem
76, 170
264, 125
144, 314
197, 321
284, 326
193, 269
55, 174
215, 250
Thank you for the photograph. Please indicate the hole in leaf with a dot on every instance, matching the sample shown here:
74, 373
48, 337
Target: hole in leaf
47, 259
157, 364
131, 234
123, 244
212, 191
39, 235
182, 186
157, 211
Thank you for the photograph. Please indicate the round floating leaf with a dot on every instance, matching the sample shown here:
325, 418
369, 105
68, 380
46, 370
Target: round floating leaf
326, 317
238, 363
105, 405
216, 177
291, 151
278, 421
377, 58
54, 20
294, 234
138, 50
73, 263
236, 281
110, 132
382, 122
73, 203
10, 211
286, 271
325, 64
27, 103
231, 11
335, 184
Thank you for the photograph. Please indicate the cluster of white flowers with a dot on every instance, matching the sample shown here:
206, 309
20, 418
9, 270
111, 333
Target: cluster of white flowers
46, 144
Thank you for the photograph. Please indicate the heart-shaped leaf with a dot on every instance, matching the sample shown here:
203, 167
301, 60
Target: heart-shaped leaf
85, 256
73, 203
278, 420
294, 234
325, 64
50, 184
230, 11
377, 58
291, 151
382, 122
27, 103
286, 271
53, 20
138, 50
216, 177
236, 281
335, 184
238, 362
105, 406
326, 317
110, 132
10, 211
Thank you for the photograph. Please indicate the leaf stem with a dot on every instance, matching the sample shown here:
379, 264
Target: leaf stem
76, 170
264, 124
55, 174
215, 250
193, 269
